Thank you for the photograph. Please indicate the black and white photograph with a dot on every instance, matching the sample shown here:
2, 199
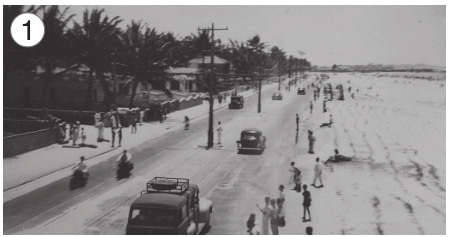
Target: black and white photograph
195, 118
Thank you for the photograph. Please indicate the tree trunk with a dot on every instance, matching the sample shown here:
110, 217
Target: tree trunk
133, 94
106, 92
90, 82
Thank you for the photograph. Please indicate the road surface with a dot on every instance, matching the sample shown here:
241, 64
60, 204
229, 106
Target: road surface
229, 179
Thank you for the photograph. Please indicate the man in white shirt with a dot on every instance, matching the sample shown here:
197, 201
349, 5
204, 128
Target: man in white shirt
266, 216
318, 170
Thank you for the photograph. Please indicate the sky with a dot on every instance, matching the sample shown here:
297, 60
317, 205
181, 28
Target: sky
343, 35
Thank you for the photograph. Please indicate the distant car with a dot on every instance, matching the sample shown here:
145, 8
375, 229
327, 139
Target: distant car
277, 95
236, 102
301, 91
251, 139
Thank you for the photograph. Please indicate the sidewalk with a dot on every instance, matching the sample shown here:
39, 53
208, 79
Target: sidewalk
28, 167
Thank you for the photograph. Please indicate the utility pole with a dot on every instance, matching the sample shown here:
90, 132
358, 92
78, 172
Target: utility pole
210, 132
259, 106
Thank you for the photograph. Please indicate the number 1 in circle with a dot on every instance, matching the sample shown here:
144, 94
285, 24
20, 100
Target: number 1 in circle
28, 25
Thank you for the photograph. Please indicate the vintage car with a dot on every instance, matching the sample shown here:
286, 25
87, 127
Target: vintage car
169, 206
251, 139
236, 102
301, 91
277, 95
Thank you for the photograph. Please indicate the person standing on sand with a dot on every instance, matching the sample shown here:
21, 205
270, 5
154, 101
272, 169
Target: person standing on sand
266, 215
318, 170
312, 140
307, 202
281, 193
274, 217
311, 107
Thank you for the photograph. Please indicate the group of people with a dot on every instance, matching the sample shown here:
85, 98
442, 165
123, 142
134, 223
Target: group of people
75, 132
273, 215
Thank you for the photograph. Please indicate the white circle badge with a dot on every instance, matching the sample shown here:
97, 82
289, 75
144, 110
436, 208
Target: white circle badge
27, 30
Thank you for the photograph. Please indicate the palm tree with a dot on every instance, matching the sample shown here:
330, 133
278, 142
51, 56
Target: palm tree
51, 51
94, 42
146, 55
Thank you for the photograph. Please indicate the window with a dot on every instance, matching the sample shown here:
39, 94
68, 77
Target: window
153, 217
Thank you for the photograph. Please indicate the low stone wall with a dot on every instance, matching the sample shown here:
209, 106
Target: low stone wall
21, 143
190, 102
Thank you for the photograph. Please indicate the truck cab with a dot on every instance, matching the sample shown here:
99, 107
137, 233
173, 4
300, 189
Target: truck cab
169, 206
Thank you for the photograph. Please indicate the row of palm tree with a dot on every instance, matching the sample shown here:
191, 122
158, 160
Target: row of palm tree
138, 51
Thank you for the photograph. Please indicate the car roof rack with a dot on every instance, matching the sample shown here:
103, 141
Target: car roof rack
167, 185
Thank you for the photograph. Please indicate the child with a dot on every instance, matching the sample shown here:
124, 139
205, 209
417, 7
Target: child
83, 136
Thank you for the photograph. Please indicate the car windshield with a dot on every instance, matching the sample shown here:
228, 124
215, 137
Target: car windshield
153, 217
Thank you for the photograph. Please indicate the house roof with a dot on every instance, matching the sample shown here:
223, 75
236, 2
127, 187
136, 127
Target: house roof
182, 70
217, 60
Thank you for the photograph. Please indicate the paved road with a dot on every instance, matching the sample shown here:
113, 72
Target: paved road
230, 180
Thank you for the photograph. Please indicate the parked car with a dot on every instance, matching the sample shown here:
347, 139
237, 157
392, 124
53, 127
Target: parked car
277, 95
236, 102
169, 206
301, 91
251, 139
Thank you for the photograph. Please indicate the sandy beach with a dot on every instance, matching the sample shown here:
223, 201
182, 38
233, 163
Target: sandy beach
395, 135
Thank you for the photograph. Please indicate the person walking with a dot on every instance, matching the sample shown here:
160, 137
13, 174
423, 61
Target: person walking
113, 136
324, 106
318, 170
312, 140
297, 122
100, 127
311, 107
266, 215
133, 123
119, 136
97, 117
219, 131
83, 136
76, 132
186, 123
330, 120
274, 217
307, 202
